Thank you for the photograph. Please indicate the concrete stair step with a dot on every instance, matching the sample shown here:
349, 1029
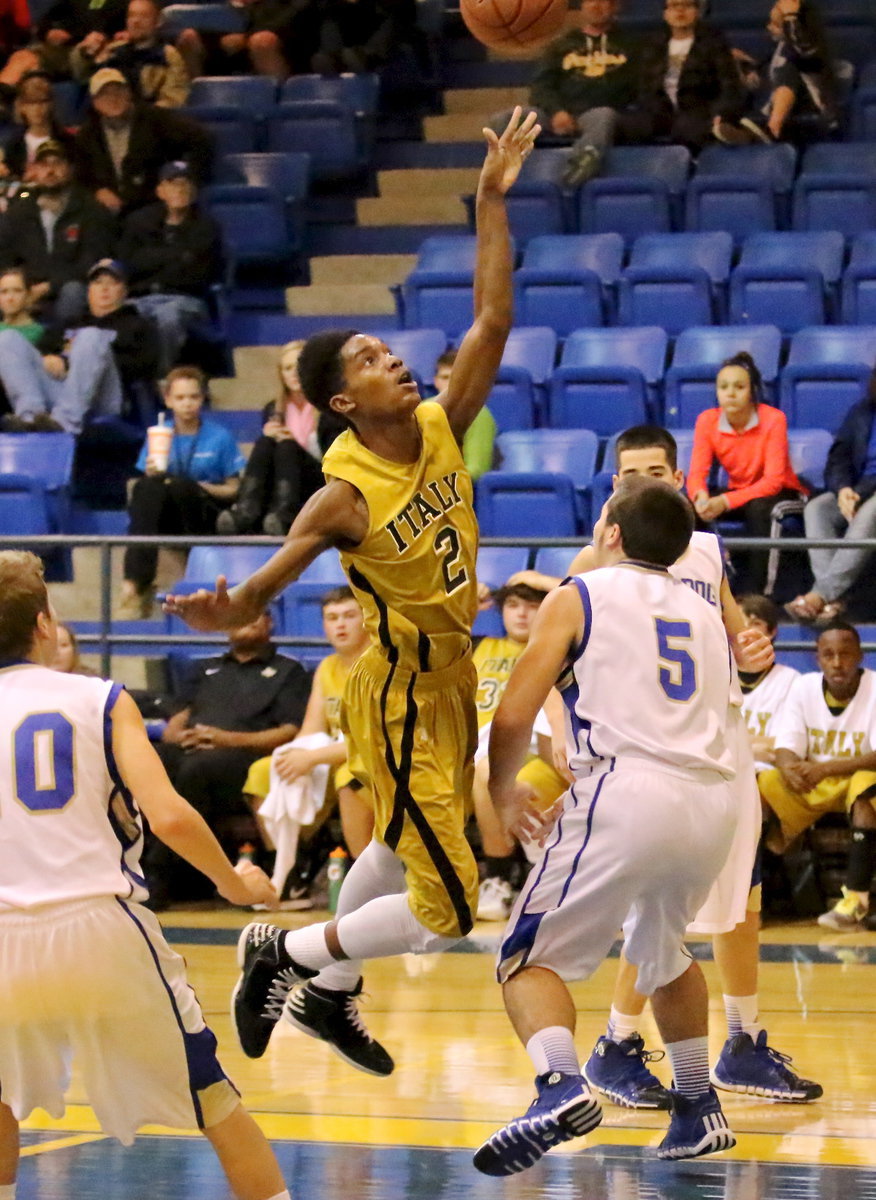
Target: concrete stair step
363, 268
485, 101
255, 379
455, 127
329, 299
423, 181
410, 210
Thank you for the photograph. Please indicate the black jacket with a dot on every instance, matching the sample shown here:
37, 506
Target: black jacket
135, 349
709, 82
157, 137
848, 454
183, 258
578, 72
81, 17
84, 232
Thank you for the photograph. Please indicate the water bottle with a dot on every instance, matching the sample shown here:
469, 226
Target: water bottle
246, 853
337, 869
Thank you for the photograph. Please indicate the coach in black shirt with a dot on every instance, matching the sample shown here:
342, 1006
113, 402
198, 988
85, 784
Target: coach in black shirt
238, 707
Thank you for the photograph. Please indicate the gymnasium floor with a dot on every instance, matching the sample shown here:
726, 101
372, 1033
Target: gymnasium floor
342, 1135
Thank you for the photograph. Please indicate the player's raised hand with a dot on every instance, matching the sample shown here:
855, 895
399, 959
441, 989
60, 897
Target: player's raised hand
753, 651
203, 610
507, 154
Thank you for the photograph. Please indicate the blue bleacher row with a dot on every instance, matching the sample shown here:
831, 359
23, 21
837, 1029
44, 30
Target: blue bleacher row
787, 279
298, 612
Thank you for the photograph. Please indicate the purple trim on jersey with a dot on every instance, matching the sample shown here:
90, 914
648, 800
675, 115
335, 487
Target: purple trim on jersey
584, 596
578, 724
722, 553
522, 936
119, 788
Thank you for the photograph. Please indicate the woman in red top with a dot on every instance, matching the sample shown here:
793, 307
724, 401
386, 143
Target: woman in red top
749, 440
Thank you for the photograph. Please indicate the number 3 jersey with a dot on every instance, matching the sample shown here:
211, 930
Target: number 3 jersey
68, 828
651, 677
414, 571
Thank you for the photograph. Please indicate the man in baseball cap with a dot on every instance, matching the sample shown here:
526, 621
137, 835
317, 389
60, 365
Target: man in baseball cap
108, 266
105, 77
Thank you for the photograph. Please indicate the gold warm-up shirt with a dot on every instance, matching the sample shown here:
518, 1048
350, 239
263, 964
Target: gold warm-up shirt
414, 572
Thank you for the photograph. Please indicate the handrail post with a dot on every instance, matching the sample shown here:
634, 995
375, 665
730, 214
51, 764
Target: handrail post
106, 559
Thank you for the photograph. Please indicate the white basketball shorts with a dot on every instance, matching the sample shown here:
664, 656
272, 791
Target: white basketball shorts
636, 846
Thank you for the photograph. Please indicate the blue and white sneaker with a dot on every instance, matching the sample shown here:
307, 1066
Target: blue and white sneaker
564, 1108
618, 1071
696, 1127
755, 1069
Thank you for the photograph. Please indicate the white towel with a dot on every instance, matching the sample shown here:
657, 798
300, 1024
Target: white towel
288, 806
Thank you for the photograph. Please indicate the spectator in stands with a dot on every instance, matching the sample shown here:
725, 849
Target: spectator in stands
799, 80
479, 443
494, 659
173, 253
319, 743
356, 35
764, 694
585, 80
825, 749
16, 310
37, 123
847, 509
70, 23
122, 145
689, 89
749, 439
284, 467
67, 657
56, 231
279, 38
156, 71
202, 476
236, 708
16, 58
90, 369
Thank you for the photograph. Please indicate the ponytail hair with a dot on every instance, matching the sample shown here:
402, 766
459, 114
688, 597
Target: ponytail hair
744, 360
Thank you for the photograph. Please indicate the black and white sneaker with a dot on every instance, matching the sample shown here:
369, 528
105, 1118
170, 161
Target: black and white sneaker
267, 976
334, 1018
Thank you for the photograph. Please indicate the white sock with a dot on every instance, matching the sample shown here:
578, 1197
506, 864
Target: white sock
553, 1049
376, 872
385, 927
690, 1066
279, 1196
742, 1014
621, 1025
308, 946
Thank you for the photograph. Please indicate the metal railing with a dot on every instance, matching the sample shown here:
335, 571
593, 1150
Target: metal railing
106, 639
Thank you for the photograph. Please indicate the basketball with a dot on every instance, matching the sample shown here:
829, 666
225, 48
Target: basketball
514, 24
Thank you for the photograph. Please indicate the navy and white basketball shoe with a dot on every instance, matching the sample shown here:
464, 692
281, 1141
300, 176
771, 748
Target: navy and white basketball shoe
696, 1127
619, 1071
754, 1069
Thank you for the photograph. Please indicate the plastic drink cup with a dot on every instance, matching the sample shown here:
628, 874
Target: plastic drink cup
158, 440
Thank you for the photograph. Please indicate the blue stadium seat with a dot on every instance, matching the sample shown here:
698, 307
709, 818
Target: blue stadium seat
537, 204
419, 349
208, 18
234, 130
254, 94
324, 129
512, 400
863, 121
288, 175
244, 424
638, 191
554, 560
808, 450
302, 608
788, 297
438, 292
325, 569
24, 506
689, 386
839, 158
569, 452
827, 371
47, 459
676, 280
507, 504
859, 282
741, 189
236, 563
566, 281
518, 397
254, 222
532, 347
591, 390
496, 564
358, 92
710, 252
842, 202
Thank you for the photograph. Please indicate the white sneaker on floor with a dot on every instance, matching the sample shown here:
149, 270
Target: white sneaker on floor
495, 898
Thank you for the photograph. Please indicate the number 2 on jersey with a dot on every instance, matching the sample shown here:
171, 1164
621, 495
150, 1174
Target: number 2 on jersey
678, 670
447, 545
43, 762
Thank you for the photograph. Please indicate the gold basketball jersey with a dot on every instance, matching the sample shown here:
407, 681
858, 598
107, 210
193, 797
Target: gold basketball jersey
332, 674
414, 571
494, 660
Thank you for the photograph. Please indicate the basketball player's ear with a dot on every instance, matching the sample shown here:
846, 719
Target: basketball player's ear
615, 480
342, 405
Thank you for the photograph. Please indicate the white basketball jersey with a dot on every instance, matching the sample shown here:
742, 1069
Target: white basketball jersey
651, 677
761, 706
701, 567
68, 827
808, 727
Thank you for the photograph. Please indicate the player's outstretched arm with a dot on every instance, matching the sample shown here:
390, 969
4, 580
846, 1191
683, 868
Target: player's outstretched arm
752, 649
336, 515
557, 629
171, 818
481, 351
